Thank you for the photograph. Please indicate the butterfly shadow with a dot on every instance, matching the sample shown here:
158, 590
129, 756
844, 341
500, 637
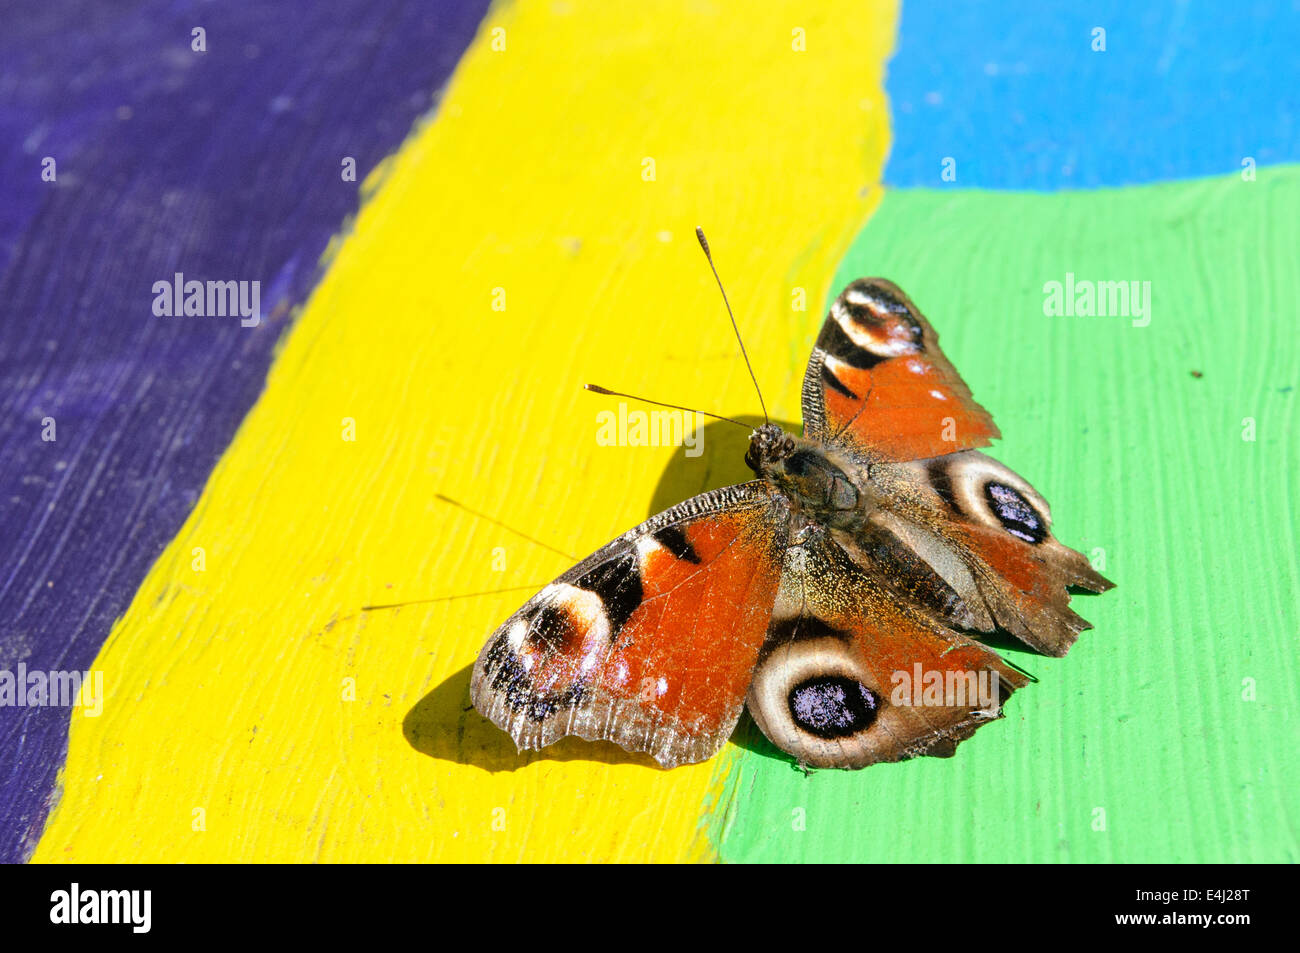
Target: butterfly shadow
749, 737
719, 462
444, 724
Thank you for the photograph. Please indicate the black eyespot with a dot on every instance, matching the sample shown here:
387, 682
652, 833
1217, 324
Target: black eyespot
553, 629
510, 679
832, 706
1017, 516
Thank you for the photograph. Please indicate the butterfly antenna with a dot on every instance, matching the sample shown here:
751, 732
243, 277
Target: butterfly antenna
704, 243
596, 389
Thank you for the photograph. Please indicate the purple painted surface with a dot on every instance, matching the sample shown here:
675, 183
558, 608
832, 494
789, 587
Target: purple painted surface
223, 165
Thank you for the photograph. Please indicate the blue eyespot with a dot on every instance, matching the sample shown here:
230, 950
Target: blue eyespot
832, 706
1014, 512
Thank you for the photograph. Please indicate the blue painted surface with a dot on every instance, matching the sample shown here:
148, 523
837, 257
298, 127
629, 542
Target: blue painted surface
1016, 95
222, 165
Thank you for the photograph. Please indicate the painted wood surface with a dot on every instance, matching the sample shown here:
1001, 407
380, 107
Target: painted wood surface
254, 698
1168, 732
223, 165
253, 712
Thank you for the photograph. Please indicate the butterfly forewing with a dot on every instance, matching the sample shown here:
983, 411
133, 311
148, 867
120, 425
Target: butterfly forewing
878, 384
649, 642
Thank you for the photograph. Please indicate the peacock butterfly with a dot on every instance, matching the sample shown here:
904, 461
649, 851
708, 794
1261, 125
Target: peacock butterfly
836, 594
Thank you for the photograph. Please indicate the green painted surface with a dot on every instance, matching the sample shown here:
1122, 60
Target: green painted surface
1149, 717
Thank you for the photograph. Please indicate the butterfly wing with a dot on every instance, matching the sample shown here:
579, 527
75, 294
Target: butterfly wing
849, 675
970, 539
878, 384
650, 641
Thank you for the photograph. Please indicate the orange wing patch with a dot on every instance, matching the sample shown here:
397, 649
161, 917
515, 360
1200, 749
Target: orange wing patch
649, 642
689, 649
879, 384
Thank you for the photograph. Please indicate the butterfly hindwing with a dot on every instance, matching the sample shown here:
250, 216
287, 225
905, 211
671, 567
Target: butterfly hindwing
650, 641
848, 676
878, 384
970, 537
985, 537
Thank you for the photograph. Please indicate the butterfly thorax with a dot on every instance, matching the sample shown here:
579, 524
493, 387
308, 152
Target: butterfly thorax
815, 485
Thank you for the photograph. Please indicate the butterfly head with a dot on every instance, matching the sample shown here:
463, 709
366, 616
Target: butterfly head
768, 446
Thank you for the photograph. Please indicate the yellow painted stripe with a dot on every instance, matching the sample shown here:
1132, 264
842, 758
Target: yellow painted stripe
228, 730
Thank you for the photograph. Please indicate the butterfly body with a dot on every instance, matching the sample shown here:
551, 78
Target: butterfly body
819, 489
837, 595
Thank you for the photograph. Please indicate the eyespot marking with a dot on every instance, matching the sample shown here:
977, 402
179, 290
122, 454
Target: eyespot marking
834, 340
874, 319
832, 706
510, 677
553, 629
981, 489
1014, 512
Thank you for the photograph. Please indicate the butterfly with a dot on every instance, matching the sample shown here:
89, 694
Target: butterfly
838, 595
